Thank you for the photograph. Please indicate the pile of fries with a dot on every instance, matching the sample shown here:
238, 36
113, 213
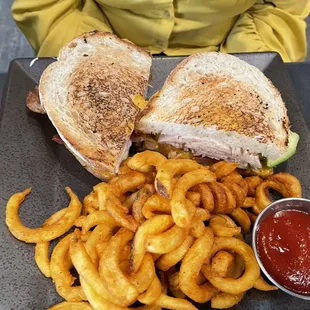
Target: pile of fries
161, 233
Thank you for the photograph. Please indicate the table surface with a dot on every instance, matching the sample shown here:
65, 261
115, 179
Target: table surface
2, 82
299, 74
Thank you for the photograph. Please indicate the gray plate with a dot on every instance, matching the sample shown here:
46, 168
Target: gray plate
28, 157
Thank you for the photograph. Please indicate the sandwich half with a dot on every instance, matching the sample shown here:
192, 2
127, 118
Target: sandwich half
218, 106
88, 96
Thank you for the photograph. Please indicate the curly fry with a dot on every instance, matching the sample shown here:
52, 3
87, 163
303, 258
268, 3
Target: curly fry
144, 161
163, 180
262, 285
156, 204
153, 226
41, 250
48, 233
223, 226
144, 193
179, 209
190, 268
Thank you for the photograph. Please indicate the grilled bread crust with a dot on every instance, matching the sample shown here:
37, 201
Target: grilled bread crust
88, 93
219, 95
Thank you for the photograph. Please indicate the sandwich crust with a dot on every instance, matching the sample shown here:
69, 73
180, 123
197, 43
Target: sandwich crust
88, 93
221, 102
219, 96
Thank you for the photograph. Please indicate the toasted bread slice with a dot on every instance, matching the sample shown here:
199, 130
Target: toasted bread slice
87, 94
219, 106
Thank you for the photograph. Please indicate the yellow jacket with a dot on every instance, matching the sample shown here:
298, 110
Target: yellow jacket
174, 27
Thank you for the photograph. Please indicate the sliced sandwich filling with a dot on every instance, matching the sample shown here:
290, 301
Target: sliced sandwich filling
206, 150
208, 147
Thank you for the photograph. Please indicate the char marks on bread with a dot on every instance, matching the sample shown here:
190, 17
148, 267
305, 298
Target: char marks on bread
88, 93
219, 106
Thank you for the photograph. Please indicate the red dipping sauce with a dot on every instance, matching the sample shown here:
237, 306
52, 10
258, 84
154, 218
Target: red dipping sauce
283, 245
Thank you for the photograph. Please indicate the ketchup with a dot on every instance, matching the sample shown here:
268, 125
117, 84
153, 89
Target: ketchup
283, 244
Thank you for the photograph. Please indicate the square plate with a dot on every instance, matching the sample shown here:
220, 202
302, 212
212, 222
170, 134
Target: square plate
29, 158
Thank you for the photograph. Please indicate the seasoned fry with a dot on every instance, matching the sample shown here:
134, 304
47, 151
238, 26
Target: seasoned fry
168, 260
127, 182
251, 272
262, 193
217, 165
163, 180
251, 216
250, 202
123, 170
168, 302
155, 256
102, 190
42, 234
202, 214
158, 243
152, 293
153, 226
253, 182
234, 177
144, 161
197, 227
41, 250
194, 198
238, 268
291, 183
89, 272
130, 200
61, 275
223, 168
91, 203
85, 236
55, 217
100, 235
262, 285
115, 209
222, 264
114, 279
97, 218
242, 219
41, 258
96, 300
226, 300
224, 201
72, 306
144, 193
206, 196
174, 285
179, 208
143, 278
223, 226
156, 204
79, 221
190, 268
237, 191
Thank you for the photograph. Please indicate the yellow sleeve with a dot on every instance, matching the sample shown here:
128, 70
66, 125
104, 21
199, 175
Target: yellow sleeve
271, 26
49, 24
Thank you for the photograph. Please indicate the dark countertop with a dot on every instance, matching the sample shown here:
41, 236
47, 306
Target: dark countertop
2, 82
300, 76
299, 73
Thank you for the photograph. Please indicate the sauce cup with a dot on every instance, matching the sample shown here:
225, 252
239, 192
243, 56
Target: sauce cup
299, 204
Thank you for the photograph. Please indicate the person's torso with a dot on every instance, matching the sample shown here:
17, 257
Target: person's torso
171, 26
